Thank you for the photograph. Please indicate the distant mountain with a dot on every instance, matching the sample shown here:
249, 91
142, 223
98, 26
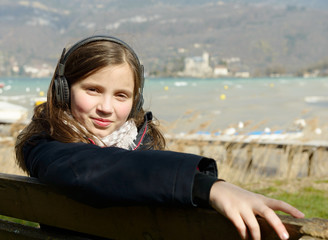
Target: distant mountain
132, 4
288, 35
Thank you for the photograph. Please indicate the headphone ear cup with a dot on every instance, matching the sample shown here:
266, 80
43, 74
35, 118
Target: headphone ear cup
61, 90
141, 99
65, 90
139, 104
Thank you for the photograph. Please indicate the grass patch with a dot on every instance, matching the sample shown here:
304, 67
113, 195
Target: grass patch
311, 201
321, 181
20, 221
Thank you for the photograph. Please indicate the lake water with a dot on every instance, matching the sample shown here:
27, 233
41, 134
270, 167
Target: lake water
214, 104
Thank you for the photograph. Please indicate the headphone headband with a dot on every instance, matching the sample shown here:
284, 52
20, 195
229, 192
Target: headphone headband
82, 42
61, 85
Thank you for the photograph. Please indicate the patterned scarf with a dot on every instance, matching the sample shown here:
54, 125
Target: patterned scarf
123, 137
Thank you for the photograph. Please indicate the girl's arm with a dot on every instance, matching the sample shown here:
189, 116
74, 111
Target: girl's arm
242, 207
105, 176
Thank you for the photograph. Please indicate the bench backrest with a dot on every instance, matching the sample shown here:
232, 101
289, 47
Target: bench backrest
28, 199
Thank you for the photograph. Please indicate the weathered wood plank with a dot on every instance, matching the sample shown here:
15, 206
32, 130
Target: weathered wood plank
26, 198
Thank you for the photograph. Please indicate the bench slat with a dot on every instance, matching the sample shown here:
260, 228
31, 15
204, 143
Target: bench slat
26, 198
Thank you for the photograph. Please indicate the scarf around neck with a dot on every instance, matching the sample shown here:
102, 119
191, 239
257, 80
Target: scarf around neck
122, 137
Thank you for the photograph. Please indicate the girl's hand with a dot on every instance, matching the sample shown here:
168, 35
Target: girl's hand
241, 207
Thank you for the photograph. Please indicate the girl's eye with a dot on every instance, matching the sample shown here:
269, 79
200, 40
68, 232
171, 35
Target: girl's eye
92, 90
121, 95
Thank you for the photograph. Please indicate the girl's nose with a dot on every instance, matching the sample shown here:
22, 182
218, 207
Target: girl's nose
106, 105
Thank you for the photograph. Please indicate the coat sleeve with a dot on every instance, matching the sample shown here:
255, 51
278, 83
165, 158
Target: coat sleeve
106, 176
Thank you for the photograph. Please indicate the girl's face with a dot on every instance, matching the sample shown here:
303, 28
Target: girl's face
103, 101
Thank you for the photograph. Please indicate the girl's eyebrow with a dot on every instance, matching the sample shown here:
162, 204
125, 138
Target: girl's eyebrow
91, 83
97, 85
125, 90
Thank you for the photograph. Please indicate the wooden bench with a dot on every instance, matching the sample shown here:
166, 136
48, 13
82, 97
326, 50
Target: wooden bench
26, 198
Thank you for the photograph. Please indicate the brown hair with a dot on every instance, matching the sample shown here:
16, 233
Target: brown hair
55, 120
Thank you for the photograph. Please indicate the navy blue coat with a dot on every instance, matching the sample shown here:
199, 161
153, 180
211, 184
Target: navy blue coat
109, 176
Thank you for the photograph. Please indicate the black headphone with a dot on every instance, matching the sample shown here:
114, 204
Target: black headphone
61, 87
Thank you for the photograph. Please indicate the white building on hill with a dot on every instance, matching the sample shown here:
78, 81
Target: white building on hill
198, 66
221, 71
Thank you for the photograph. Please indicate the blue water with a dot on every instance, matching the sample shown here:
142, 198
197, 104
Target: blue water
213, 103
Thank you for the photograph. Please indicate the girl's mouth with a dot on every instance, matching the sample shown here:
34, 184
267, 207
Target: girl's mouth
101, 122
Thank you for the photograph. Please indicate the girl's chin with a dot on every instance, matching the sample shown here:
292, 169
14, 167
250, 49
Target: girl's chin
101, 134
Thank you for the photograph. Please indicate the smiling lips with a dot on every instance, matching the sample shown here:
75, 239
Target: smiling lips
101, 122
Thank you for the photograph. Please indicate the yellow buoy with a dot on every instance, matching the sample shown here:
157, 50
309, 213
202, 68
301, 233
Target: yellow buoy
223, 97
41, 93
166, 88
226, 87
271, 84
38, 102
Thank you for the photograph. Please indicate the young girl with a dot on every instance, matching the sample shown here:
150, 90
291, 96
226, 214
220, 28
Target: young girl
93, 139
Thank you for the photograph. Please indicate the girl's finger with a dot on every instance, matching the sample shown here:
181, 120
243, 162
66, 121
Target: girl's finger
273, 220
252, 225
278, 205
237, 220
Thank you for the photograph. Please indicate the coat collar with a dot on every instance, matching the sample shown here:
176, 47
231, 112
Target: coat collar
142, 132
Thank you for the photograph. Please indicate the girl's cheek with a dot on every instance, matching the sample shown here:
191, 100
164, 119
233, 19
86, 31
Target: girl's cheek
125, 109
82, 103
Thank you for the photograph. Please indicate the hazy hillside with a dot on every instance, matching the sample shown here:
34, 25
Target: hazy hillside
263, 34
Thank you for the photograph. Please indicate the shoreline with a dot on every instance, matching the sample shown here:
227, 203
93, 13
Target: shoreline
240, 159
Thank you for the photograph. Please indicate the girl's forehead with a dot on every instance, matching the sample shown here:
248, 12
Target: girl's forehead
117, 74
